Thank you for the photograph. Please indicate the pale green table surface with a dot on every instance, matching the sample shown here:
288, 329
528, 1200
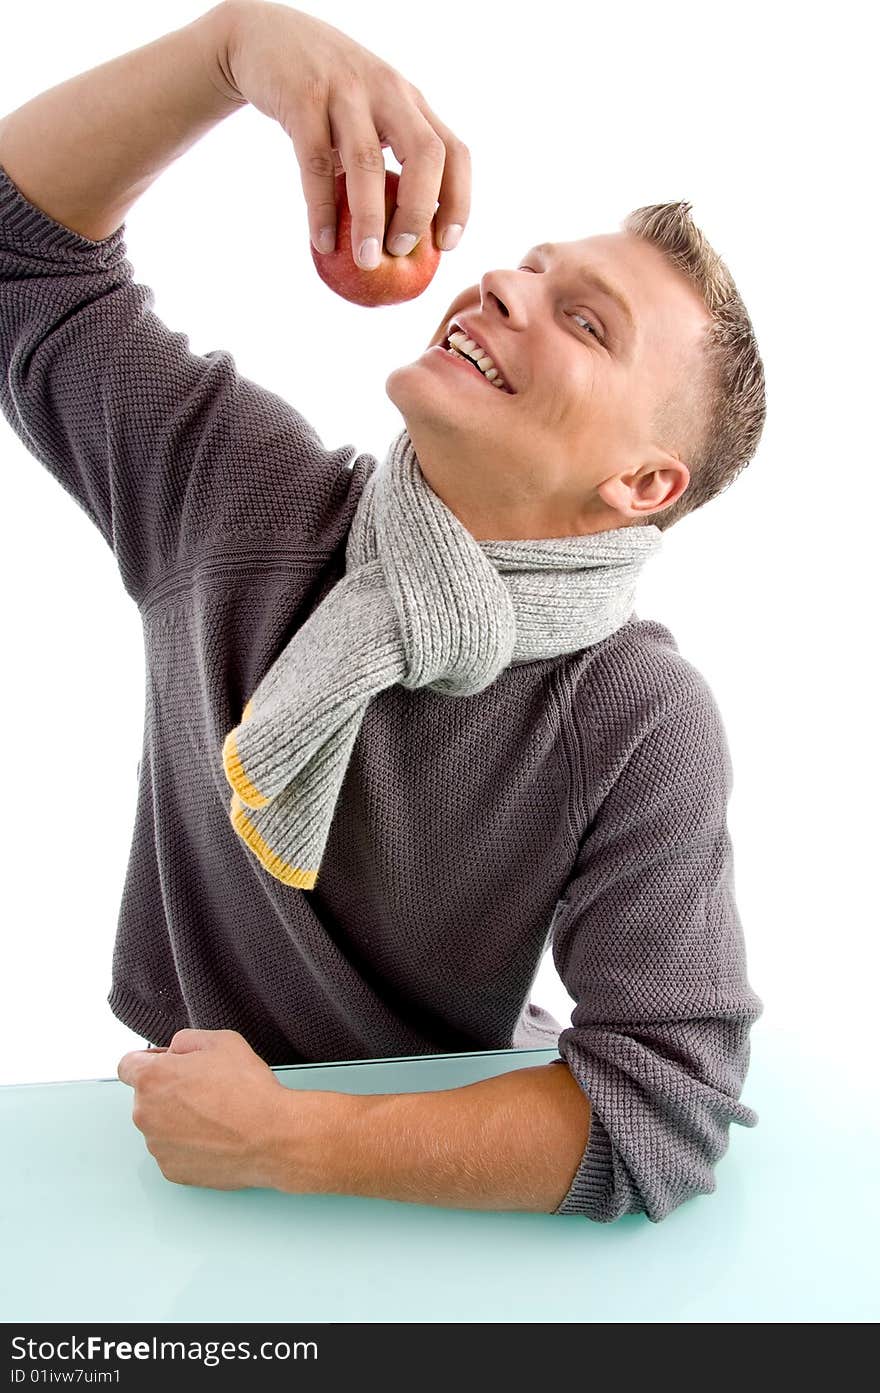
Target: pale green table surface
90, 1229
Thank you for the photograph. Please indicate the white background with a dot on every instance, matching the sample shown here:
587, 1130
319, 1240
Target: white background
759, 116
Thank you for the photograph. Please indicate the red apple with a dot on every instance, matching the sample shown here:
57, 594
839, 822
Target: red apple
396, 278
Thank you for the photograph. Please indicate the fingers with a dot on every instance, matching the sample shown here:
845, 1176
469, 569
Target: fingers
364, 163
309, 129
455, 184
422, 157
347, 128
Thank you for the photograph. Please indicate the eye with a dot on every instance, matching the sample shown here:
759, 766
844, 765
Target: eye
590, 327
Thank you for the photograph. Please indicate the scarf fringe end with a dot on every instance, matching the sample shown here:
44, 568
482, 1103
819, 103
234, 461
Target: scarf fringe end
235, 771
273, 863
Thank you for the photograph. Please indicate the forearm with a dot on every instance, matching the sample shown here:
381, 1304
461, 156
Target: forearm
84, 151
510, 1142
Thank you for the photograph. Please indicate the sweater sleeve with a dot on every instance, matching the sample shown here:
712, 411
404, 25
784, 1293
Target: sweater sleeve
167, 451
649, 945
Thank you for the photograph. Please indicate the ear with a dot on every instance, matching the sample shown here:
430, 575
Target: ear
467, 297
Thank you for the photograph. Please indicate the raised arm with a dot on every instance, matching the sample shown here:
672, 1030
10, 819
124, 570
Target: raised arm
83, 152
169, 452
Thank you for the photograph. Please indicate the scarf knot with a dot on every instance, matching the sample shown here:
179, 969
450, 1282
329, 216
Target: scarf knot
462, 640
421, 604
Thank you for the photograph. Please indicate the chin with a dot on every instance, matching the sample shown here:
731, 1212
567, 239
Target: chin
415, 396
394, 382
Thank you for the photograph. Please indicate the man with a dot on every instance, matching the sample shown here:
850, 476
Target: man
451, 743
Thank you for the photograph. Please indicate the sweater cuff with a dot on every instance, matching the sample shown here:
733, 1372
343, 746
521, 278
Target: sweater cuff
594, 1177
27, 229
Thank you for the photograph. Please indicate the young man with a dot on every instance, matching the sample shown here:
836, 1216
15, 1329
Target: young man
404, 730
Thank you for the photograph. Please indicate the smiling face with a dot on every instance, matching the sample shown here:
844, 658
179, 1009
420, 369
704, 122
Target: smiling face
570, 450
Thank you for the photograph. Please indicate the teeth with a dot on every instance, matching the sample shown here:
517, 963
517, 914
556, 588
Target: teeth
466, 348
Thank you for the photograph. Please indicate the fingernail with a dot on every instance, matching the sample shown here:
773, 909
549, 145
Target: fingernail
326, 239
402, 244
369, 254
451, 236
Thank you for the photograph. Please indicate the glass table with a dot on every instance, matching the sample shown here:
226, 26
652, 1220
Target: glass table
90, 1229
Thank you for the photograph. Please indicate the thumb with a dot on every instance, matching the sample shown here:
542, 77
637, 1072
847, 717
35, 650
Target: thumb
186, 1041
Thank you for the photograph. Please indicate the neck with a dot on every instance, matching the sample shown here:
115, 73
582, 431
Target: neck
497, 505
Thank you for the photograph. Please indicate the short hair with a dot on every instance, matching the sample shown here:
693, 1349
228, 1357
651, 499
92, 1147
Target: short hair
714, 418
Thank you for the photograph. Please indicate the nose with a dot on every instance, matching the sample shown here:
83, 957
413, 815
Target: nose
500, 296
496, 292
491, 301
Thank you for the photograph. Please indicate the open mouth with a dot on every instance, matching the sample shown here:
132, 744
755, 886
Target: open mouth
496, 382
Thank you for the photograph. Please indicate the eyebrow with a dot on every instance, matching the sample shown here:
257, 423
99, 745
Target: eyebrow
598, 281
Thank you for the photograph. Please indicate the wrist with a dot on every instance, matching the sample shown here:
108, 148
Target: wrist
220, 27
315, 1147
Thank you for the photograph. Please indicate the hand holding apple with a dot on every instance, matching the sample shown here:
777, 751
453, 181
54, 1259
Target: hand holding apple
341, 105
396, 278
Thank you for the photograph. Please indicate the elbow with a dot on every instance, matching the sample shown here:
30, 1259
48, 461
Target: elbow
652, 1176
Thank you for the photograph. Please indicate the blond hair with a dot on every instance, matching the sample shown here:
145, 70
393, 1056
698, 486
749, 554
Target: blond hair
714, 419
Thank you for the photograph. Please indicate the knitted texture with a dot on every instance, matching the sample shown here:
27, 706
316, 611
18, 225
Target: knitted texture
423, 604
576, 805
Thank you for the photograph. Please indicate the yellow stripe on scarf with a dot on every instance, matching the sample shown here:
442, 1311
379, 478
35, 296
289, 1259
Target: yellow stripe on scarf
234, 769
291, 875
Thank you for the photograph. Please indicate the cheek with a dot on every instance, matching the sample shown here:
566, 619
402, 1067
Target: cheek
577, 401
603, 399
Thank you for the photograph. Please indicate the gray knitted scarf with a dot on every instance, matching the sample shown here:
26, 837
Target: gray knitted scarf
423, 604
